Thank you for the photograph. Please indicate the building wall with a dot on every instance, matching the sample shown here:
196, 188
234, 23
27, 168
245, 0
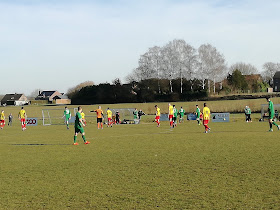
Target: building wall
276, 85
63, 101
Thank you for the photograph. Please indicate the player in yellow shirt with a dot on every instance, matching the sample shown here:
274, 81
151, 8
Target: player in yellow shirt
157, 115
2, 119
109, 116
83, 118
206, 117
170, 114
22, 117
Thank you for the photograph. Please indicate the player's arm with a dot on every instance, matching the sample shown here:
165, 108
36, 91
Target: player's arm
81, 121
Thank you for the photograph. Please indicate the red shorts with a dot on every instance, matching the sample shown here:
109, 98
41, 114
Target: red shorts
22, 120
157, 117
170, 117
109, 119
205, 122
2, 122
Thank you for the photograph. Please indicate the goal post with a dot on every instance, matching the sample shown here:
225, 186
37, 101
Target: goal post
55, 117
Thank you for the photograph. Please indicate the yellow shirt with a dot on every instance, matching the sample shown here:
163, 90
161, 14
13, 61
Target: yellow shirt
83, 115
22, 114
158, 112
171, 110
206, 113
109, 113
2, 116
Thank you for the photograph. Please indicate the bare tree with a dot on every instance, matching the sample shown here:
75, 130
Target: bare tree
73, 90
270, 69
170, 62
244, 68
212, 64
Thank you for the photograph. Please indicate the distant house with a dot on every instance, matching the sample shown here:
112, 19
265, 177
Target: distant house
62, 99
47, 95
14, 99
276, 82
53, 97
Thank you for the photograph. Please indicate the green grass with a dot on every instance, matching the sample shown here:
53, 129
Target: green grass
236, 166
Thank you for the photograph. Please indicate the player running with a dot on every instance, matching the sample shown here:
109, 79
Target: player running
175, 115
181, 114
109, 117
197, 112
79, 127
170, 114
206, 117
67, 116
271, 116
2, 119
99, 113
22, 117
157, 118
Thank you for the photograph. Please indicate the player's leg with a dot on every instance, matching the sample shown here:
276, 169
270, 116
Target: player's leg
75, 137
270, 124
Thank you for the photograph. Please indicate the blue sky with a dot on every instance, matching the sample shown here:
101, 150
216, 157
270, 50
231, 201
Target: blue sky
60, 43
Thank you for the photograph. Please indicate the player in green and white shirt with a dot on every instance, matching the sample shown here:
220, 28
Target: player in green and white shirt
181, 112
67, 116
135, 114
197, 112
175, 114
79, 127
271, 113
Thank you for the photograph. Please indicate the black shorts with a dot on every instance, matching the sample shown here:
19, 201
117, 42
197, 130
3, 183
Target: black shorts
99, 120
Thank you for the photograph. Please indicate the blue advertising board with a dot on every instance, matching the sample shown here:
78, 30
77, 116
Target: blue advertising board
191, 116
220, 117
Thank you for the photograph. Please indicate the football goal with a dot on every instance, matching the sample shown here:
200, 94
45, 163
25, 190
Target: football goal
264, 111
124, 115
55, 117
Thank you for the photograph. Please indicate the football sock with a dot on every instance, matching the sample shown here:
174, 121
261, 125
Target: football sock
84, 138
274, 123
270, 125
75, 139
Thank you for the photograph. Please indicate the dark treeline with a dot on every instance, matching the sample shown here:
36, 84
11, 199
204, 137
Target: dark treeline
149, 90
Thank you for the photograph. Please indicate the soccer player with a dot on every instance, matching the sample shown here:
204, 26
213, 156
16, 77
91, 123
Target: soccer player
170, 114
157, 119
10, 120
109, 116
79, 127
206, 117
140, 113
181, 113
135, 115
2, 119
67, 116
197, 115
22, 117
248, 114
84, 118
99, 113
271, 115
175, 114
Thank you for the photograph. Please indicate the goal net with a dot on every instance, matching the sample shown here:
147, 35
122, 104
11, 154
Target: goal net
125, 115
264, 111
55, 117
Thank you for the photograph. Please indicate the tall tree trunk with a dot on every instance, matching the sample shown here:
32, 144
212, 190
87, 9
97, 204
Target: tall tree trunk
171, 89
214, 86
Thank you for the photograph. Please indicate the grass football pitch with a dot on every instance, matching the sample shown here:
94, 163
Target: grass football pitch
236, 166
